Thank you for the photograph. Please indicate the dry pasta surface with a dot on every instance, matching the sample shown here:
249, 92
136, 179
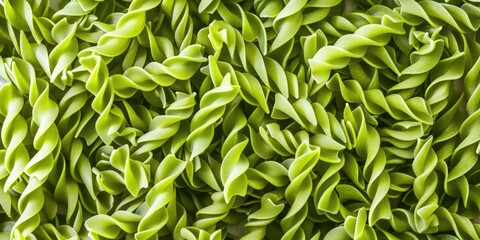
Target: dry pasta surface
239, 119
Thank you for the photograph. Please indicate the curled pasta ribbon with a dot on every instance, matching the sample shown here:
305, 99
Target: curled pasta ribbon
67, 194
136, 174
212, 108
46, 136
63, 55
356, 226
112, 227
25, 17
110, 120
30, 205
281, 141
180, 67
376, 102
46, 144
116, 42
14, 130
235, 163
258, 221
464, 18
159, 196
180, 21
352, 46
424, 186
299, 190
464, 154
222, 35
209, 216
427, 56
446, 71
325, 197
164, 127
192, 233
50, 232
374, 171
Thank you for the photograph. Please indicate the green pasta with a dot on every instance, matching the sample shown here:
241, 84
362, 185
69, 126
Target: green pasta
222, 119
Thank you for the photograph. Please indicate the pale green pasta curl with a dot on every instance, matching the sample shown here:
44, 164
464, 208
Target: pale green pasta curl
233, 119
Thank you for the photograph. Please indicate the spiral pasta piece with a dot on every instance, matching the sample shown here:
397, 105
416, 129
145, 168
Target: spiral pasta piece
212, 108
116, 42
212, 119
235, 163
163, 127
110, 119
423, 165
25, 17
339, 55
277, 79
298, 191
259, 220
47, 143
159, 196
14, 131
181, 67
374, 172
209, 216
377, 103
112, 227
181, 22
464, 18
465, 153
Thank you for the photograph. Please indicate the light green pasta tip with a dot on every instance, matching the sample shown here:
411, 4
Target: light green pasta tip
240, 119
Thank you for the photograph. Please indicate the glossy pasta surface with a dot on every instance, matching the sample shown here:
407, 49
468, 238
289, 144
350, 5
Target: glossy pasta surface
240, 119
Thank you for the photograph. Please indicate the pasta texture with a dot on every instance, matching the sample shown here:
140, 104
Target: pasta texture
233, 119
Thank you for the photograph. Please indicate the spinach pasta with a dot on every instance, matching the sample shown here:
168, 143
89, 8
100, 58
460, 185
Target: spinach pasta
233, 119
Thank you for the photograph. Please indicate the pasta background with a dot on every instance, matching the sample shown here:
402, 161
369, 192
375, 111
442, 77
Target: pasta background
231, 119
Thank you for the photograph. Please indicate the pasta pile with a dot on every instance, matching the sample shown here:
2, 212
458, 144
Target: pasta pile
231, 119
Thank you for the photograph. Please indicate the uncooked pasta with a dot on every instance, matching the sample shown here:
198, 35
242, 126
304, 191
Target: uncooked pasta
239, 119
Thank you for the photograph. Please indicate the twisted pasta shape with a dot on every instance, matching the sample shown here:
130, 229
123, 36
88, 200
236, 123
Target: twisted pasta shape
276, 79
110, 119
180, 22
14, 131
25, 17
212, 214
136, 174
353, 46
181, 67
46, 142
212, 108
377, 103
374, 172
239, 119
299, 190
464, 18
159, 196
164, 127
112, 227
268, 212
116, 42
235, 163
423, 166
